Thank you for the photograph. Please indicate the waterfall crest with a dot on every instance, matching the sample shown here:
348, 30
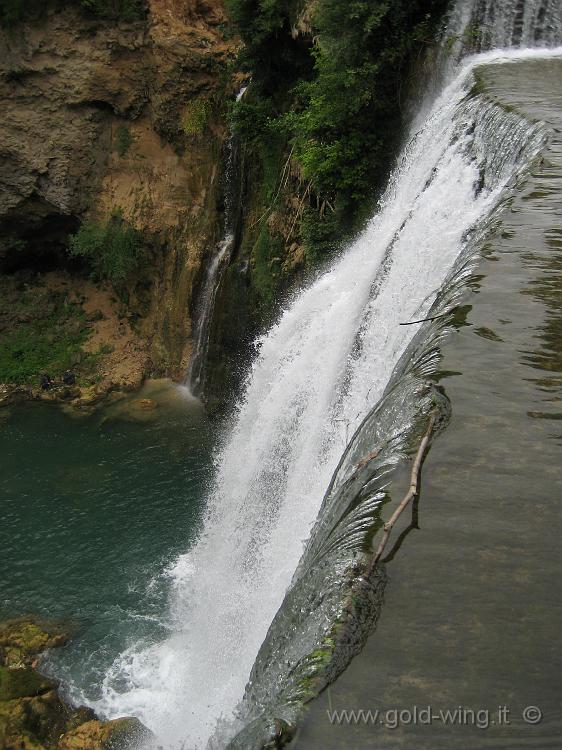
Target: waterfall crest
335, 377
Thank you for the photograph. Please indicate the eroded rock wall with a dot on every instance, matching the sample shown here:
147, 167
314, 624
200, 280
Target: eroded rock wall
70, 87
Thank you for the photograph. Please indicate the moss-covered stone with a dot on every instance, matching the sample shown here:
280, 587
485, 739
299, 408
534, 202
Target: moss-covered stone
32, 714
119, 734
22, 640
22, 683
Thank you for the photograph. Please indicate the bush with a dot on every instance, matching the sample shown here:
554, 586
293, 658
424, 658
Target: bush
114, 250
337, 103
196, 116
123, 140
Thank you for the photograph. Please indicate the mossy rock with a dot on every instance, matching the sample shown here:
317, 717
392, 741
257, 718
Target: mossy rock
22, 683
32, 714
120, 734
44, 718
22, 640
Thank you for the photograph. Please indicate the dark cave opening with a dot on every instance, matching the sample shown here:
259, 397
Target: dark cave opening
37, 242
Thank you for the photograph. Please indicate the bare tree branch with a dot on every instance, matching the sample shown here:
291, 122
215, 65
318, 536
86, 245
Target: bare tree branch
412, 491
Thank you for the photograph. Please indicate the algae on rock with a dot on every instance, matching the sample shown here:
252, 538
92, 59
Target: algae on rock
32, 714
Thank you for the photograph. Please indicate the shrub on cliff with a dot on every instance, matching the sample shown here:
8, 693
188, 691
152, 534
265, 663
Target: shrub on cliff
341, 111
114, 250
196, 116
123, 140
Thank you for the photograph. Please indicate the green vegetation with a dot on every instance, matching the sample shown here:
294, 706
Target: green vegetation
13, 11
114, 250
272, 54
123, 140
266, 254
336, 103
196, 116
40, 331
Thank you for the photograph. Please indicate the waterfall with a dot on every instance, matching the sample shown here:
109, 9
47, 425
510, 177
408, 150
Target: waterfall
509, 23
336, 375
493, 24
195, 378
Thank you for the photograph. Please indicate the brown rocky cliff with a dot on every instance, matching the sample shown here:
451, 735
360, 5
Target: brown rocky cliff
69, 85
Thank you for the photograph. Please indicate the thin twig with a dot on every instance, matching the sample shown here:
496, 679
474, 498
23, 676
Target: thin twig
300, 208
270, 208
425, 320
412, 491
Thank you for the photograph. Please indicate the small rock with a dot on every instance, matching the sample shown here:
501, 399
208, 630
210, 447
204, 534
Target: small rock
69, 378
46, 382
120, 734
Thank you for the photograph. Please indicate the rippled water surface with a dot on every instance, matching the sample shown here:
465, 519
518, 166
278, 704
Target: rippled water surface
473, 608
92, 508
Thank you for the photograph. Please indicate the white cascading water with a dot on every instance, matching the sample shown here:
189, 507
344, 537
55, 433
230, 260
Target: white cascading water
317, 373
512, 23
204, 314
202, 329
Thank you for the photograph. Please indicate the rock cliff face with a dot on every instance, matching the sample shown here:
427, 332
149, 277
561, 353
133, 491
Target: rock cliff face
99, 117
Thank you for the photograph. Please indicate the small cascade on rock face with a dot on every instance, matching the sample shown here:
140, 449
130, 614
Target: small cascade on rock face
195, 378
493, 24
254, 604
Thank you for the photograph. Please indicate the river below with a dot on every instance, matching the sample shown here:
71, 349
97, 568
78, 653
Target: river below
95, 512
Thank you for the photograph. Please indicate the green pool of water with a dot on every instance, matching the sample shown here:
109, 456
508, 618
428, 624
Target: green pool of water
94, 509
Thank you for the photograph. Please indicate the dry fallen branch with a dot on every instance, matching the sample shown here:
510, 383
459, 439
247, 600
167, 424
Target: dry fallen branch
412, 491
300, 209
285, 172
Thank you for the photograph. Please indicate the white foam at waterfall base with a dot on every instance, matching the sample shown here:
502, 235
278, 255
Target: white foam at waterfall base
317, 373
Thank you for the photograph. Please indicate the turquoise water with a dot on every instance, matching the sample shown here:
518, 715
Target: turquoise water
94, 509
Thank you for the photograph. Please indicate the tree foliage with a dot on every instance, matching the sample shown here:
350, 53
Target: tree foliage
349, 114
114, 250
274, 56
338, 101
